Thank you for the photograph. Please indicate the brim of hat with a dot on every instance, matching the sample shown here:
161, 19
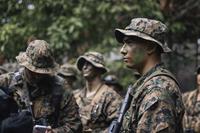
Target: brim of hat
23, 60
66, 74
120, 34
81, 60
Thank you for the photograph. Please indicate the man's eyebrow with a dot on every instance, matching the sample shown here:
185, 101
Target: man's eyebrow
127, 40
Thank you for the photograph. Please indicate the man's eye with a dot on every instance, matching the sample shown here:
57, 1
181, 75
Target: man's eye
128, 41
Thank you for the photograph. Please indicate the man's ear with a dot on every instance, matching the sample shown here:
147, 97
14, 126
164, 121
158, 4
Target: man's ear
151, 48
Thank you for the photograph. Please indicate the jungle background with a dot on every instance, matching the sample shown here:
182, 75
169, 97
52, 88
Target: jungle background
73, 27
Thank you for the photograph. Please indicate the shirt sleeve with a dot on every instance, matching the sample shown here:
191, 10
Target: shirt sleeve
5, 79
114, 103
156, 113
69, 118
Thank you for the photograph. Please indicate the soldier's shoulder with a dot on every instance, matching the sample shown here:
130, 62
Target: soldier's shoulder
3, 70
163, 83
67, 97
190, 93
154, 100
161, 79
160, 88
109, 92
188, 96
5, 79
161, 95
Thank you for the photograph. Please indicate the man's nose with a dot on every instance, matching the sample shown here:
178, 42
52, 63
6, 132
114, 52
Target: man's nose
123, 49
85, 66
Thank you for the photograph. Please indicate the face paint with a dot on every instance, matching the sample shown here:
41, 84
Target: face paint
134, 53
138, 55
89, 71
34, 78
198, 79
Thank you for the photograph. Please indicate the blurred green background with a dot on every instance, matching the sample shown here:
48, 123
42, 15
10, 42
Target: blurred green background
73, 27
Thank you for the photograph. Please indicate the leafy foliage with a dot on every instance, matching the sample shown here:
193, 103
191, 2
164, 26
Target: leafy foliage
73, 27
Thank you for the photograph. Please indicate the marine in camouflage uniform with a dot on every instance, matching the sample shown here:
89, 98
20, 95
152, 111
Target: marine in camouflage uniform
156, 104
191, 100
98, 102
38, 89
69, 73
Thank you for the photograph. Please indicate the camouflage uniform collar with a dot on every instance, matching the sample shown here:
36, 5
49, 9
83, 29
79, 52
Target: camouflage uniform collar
157, 66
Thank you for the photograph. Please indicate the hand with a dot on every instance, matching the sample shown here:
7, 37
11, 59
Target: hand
49, 130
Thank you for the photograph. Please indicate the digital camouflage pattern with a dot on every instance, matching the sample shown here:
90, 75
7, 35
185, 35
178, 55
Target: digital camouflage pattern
51, 104
148, 29
38, 58
95, 58
68, 70
2, 70
156, 105
98, 111
62, 115
11, 66
191, 119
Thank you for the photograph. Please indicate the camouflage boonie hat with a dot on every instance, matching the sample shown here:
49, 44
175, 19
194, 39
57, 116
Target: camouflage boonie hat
94, 58
111, 79
38, 58
68, 70
148, 29
198, 70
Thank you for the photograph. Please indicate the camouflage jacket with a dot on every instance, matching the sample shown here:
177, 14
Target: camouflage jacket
51, 104
2, 70
98, 111
191, 119
156, 104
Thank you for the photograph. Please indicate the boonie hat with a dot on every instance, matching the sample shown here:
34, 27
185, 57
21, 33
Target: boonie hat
94, 58
38, 58
68, 70
147, 29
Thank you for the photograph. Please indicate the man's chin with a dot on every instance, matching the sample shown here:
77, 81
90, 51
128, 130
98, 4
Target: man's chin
87, 76
129, 66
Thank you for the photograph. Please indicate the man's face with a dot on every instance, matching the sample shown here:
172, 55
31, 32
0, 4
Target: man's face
134, 52
35, 78
88, 70
198, 79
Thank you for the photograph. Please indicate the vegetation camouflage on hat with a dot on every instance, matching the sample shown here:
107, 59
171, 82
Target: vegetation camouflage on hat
94, 58
38, 58
148, 29
68, 70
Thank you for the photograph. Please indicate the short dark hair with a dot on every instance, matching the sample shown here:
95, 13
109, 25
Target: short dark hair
158, 50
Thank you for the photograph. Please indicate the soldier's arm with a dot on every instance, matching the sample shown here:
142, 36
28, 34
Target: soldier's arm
114, 101
69, 118
185, 97
156, 113
5, 79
